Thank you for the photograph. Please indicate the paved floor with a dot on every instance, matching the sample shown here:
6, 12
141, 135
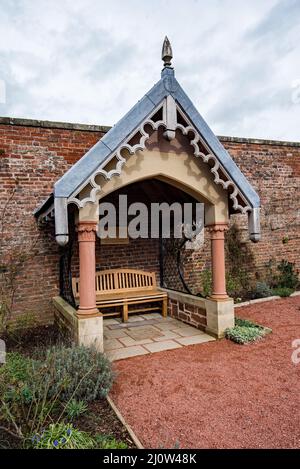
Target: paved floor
148, 333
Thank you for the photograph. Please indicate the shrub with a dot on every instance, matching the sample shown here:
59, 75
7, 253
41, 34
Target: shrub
283, 291
287, 278
75, 408
245, 331
80, 373
262, 290
33, 392
61, 436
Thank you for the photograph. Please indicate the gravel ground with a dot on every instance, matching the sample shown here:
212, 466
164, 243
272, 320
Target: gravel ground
218, 394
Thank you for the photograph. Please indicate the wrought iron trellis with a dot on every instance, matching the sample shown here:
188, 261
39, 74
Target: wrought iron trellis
173, 258
65, 266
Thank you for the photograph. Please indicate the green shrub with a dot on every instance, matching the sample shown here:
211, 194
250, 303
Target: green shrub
80, 373
245, 331
108, 442
233, 285
32, 393
246, 323
75, 408
16, 368
61, 436
283, 291
287, 278
262, 290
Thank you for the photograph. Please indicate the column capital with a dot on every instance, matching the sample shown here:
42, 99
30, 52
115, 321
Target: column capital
86, 231
217, 231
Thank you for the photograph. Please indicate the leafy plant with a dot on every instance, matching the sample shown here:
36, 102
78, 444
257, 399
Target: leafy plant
16, 368
233, 285
36, 392
61, 436
206, 282
288, 277
75, 408
108, 442
283, 291
262, 290
245, 331
81, 373
239, 263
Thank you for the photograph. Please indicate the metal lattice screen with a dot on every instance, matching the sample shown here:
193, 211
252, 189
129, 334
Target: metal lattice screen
65, 266
175, 261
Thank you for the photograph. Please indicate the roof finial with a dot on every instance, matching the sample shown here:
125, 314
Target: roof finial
166, 53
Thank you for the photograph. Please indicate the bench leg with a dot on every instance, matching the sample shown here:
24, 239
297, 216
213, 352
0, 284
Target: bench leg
164, 310
125, 312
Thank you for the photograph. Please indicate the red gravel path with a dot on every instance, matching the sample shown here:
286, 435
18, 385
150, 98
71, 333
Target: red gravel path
218, 394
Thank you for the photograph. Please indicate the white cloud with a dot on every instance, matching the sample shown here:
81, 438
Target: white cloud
91, 60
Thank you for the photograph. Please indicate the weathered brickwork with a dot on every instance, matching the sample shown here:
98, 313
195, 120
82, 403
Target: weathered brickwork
34, 155
188, 313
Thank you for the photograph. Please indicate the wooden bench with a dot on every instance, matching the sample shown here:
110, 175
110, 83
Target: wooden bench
126, 288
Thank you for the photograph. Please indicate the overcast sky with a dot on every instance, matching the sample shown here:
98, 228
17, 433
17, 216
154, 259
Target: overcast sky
89, 61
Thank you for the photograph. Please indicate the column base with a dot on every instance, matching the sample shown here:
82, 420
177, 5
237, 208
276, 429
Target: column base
219, 315
88, 313
90, 331
217, 296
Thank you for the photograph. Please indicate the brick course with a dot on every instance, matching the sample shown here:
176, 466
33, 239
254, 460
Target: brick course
33, 155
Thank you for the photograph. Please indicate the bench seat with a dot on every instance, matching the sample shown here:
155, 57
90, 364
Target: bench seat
124, 288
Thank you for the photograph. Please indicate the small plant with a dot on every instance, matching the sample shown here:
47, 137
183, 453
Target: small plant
61, 436
284, 292
262, 290
206, 281
246, 331
75, 408
16, 367
108, 442
287, 276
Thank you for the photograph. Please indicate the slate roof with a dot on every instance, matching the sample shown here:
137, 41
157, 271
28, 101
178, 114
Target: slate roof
102, 150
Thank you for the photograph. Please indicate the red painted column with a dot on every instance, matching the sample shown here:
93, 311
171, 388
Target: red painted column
87, 268
217, 237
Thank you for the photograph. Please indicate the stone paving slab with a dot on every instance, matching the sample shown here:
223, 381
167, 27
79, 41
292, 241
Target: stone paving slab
127, 352
129, 341
160, 346
166, 336
126, 325
187, 332
111, 334
112, 344
148, 333
196, 339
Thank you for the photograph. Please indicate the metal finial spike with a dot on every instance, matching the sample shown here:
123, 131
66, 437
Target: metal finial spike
166, 53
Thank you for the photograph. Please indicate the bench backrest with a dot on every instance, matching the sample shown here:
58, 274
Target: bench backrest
119, 281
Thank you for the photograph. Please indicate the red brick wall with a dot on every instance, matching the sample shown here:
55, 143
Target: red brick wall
274, 172
141, 254
33, 158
